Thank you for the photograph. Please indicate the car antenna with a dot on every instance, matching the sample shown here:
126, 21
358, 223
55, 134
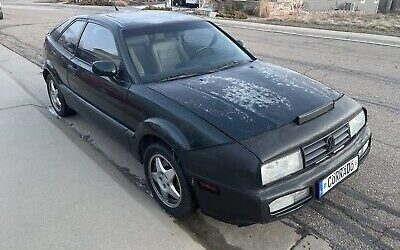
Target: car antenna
116, 8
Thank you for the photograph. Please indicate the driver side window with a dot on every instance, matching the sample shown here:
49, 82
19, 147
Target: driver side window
97, 44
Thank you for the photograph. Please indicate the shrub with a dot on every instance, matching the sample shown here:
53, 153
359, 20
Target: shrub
235, 14
263, 9
151, 7
93, 2
229, 9
120, 3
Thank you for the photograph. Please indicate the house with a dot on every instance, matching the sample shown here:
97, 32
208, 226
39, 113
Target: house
368, 6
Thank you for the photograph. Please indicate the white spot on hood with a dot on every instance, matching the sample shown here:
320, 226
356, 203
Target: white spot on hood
248, 95
292, 79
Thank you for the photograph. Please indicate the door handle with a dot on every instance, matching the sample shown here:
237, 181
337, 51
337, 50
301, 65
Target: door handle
72, 68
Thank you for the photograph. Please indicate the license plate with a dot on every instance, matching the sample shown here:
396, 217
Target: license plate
337, 176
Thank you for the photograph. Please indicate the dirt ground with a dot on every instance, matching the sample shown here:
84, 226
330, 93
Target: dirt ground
383, 24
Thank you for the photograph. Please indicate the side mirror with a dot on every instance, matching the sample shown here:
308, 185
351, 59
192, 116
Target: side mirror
104, 68
241, 43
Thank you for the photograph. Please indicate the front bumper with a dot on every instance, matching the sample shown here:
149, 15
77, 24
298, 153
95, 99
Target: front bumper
248, 207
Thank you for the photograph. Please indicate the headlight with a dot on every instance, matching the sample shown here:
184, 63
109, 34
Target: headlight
281, 167
357, 123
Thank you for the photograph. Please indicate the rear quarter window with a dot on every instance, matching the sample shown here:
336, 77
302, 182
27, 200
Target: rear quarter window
55, 33
69, 38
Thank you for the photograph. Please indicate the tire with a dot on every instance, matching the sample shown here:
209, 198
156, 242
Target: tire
175, 3
177, 207
58, 102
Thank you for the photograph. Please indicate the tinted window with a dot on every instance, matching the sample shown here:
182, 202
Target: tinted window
69, 38
57, 31
97, 44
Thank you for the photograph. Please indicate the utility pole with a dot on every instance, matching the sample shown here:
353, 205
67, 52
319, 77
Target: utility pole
396, 5
388, 6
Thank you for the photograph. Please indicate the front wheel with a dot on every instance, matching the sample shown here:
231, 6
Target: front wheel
167, 181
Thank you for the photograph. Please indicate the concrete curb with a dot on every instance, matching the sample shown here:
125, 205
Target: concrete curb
314, 33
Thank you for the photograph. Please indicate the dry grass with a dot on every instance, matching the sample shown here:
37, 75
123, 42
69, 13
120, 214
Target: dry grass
263, 9
93, 2
232, 14
152, 7
121, 3
388, 24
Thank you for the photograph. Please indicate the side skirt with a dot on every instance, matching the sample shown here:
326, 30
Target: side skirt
109, 124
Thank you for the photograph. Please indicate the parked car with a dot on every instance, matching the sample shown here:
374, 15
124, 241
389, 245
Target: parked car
192, 3
215, 128
186, 3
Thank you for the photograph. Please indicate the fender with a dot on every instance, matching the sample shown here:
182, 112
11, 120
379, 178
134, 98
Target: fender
48, 68
162, 129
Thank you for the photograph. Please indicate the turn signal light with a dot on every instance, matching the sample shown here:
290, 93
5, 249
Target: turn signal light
209, 187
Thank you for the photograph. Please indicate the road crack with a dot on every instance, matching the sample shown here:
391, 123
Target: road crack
386, 144
379, 104
22, 105
363, 220
298, 241
362, 197
353, 228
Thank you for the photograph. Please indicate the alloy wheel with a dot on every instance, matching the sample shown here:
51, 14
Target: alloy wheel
54, 95
165, 181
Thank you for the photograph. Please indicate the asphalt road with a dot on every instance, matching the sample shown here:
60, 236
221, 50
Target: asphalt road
361, 213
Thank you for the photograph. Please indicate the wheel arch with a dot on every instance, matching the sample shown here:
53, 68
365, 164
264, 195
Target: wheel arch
158, 130
46, 73
48, 69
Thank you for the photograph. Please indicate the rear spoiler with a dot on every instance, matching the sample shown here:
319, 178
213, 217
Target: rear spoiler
314, 113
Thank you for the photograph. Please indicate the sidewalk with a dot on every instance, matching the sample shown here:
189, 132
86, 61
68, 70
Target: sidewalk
57, 193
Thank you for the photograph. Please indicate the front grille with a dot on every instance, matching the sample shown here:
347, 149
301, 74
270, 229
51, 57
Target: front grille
319, 151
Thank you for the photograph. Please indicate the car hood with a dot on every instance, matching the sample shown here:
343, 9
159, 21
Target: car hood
250, 99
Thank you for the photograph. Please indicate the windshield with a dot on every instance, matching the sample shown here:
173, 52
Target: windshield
168, 52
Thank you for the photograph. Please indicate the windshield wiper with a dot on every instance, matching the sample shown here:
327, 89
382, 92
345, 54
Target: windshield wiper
225, 66
228, 65
188, 74
178, 76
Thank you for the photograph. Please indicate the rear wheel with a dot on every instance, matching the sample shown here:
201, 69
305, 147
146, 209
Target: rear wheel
56, 98
167, 181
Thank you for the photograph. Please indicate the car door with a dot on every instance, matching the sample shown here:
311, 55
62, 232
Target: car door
62, 50
107, 95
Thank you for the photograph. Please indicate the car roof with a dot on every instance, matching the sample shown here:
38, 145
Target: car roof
142, 18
